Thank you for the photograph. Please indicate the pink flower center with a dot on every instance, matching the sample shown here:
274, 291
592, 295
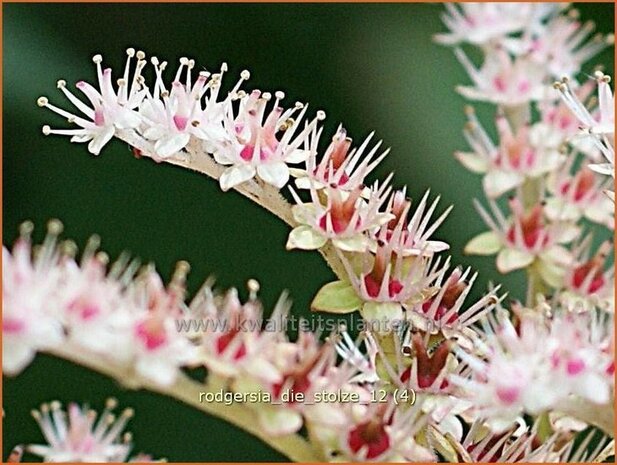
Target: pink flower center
12, 325
151, 333
180, 122
371, 435
373, 286
223, 342
84, 309
575, 366
508, 395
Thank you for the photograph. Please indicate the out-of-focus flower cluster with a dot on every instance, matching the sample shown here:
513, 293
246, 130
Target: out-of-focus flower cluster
548, 165
356, 401
552, 166
79, 434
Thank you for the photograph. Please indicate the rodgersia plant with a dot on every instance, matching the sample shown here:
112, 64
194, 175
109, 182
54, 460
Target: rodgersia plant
433, 375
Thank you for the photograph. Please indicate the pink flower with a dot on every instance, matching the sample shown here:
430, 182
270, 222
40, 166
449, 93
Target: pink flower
77, 436
483, 23
110, 109
340, 167
503, 79
262, 143
579, 195
28, 296
346, 218
523, 239
172, 117
529, 153
562, 45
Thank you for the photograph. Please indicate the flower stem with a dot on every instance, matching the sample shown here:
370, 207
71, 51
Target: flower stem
259, 192
293, 446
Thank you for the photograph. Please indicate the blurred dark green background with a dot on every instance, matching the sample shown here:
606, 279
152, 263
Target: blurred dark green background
373, 67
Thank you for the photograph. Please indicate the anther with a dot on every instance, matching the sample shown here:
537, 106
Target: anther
102, 258
321, 115
46, 130
279, 94
111, 403
130, 52
128, 413
54, 227
266, 96
61, 83
154, 61
184, 61
97, 58
42, 101
224, 67
68, 248
182, 269
140, 55
26, 228
253, 287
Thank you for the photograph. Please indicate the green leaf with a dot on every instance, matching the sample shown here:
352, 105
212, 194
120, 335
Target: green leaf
336, 297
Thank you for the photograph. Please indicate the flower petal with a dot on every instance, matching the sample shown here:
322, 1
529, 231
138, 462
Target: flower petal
357, 243
306, 238
276, 174
498, 182
297, 156
235, 175
170, 145
472, 161
513, 259
97, 143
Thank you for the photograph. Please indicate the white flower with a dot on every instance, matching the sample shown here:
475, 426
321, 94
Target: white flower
263, 144
339, 167
587, 284
171, 117
345, 219
412, 236
480, 23
502, 79
524, 239
534, 366
28, 323
528, 153
158, 348
110, 109
579, 195
601, 126
379, 432
562, 45
91, 307
77, 436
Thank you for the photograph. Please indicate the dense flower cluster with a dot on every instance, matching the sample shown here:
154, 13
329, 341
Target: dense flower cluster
79, 434
559, 347
431, 376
